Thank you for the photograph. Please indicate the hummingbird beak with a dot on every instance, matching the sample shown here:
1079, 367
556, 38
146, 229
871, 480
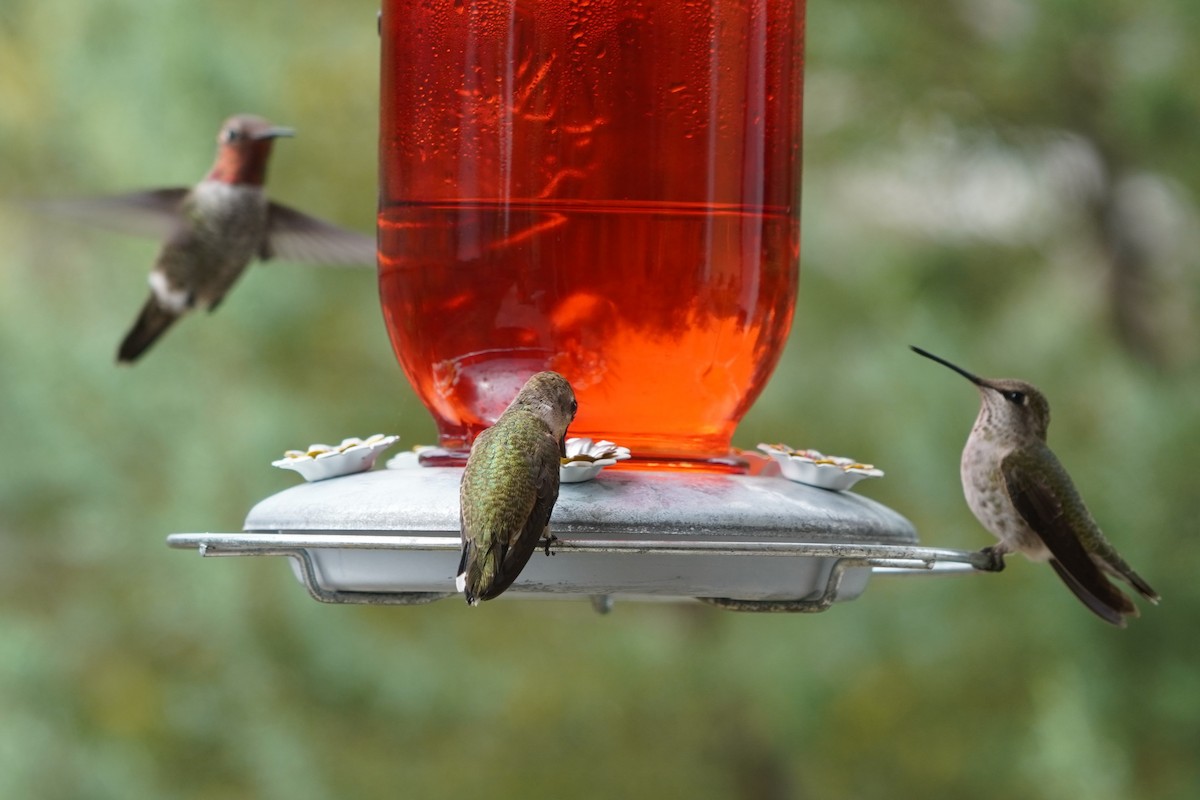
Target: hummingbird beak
972, 378
274, 133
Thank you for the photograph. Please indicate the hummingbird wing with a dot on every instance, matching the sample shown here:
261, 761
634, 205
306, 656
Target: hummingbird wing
154, 213
295, 236
1037, 485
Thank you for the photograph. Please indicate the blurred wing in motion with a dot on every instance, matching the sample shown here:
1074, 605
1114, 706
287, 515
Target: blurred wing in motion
295, 236
152, 214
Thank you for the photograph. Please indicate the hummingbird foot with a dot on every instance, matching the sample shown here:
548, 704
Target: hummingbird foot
549, 542
995, 558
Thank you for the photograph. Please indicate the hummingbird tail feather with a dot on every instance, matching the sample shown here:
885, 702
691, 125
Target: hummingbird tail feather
151, 323
1123, 571
1103, 598
1143, 588
460, 580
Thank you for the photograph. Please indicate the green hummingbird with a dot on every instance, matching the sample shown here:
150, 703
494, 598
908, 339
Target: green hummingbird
1018, 490
510, 484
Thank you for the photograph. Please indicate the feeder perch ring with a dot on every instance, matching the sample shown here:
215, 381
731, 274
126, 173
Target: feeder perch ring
746, 543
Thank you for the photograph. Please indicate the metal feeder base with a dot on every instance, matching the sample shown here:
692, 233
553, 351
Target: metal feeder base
747, 543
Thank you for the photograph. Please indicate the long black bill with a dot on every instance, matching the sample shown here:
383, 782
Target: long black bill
972, 378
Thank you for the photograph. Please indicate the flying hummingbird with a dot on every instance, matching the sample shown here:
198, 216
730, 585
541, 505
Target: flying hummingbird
510, 485
212, 231
1019, 491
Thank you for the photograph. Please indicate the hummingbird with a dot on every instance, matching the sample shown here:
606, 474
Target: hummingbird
1017, 489
510, 484
213, 230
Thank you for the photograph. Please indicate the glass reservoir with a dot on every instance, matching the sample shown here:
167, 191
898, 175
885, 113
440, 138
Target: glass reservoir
605, 188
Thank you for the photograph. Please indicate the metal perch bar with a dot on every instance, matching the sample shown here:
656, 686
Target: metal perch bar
881, 558
881, 555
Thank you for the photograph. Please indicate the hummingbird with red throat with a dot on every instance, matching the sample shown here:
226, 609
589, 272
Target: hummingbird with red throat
212, 231
1017, 489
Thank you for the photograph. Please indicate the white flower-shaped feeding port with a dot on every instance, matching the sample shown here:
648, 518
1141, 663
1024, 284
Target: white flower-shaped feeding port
321, 461
586, 458
817, 469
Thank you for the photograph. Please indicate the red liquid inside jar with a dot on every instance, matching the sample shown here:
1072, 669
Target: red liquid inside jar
608, 189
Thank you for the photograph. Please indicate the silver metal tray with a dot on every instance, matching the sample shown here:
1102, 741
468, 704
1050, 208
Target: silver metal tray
747, 543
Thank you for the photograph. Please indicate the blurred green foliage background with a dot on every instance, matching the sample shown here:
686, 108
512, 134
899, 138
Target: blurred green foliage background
1010, 183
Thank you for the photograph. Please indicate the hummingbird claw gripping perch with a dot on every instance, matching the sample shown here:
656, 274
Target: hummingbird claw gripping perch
995, 559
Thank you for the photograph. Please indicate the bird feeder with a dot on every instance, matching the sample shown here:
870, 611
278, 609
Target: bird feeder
611, 194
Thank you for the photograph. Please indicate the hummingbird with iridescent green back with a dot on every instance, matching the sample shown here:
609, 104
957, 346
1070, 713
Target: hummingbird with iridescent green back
510, 485
212, 231
1017, 489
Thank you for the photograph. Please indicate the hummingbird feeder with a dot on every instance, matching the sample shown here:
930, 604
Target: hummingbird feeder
612, 195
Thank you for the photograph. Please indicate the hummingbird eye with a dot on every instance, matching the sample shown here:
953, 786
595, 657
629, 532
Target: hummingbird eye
1015, 397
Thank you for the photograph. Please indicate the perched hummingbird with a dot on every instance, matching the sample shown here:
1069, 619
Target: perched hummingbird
510, 485
1019, 491
213, 230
